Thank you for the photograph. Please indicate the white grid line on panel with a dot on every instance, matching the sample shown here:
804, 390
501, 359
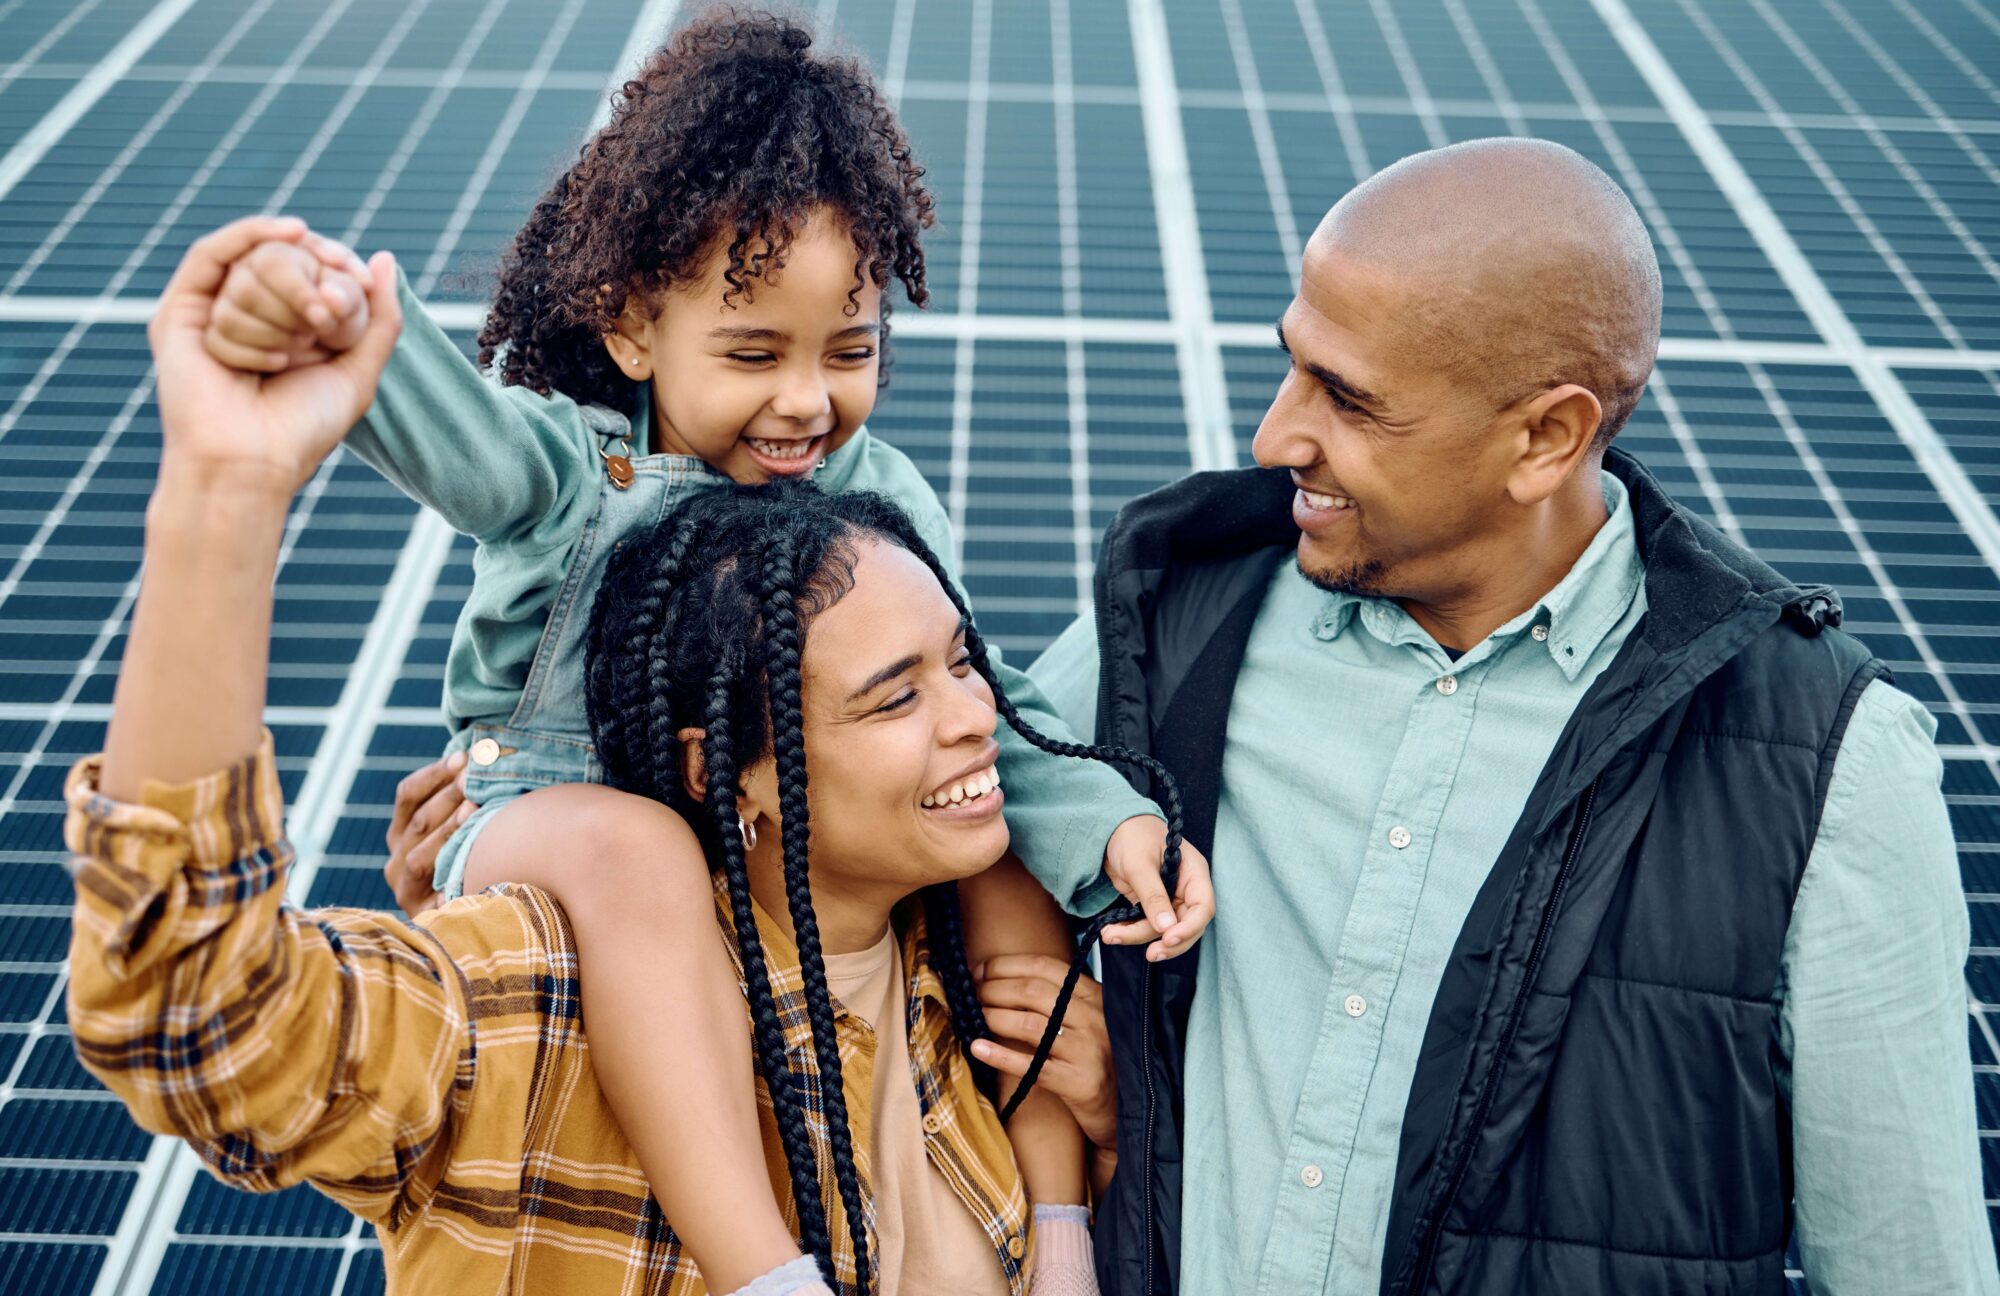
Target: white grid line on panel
1782, 250
496, 148
464, 316
245, 120
1983, 14
108, 177
1126, 96
1489, 71
83, 96
1951, 52
972, 205
1264, 140
402, 78
1910, 86
1338, 101
33, 54
902, 30
420, 124
1068, 225
1824, 173
1204, 389
1886, 146
1407, 69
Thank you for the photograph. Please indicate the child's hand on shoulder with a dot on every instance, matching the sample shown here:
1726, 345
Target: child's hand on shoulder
1132, 860
289, 302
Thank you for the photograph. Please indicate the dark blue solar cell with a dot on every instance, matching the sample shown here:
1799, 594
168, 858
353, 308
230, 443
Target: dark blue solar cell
191, 1269
53, 1065
49, 1269
366, 1277
214, 1208
51, 1200
24, 994
70, 1130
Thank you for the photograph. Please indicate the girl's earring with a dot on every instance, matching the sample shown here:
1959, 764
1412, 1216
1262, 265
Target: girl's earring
749, 831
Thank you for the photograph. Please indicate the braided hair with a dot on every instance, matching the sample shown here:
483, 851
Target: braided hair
702, 624
723, 143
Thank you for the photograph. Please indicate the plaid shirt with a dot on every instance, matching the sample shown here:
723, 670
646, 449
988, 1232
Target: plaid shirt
432, 1077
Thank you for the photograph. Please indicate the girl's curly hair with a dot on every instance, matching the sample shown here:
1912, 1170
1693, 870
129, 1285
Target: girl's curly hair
728, 138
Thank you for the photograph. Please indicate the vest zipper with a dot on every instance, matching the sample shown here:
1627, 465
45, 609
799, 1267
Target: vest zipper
1153, 1109
1427, 1253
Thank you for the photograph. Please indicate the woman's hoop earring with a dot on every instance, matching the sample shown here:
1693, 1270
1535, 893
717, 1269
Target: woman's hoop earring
749, 831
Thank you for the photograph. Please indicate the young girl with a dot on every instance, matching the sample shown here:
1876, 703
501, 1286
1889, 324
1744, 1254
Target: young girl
699, 299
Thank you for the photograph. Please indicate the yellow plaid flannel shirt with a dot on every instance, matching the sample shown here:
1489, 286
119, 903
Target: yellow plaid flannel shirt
432, 1077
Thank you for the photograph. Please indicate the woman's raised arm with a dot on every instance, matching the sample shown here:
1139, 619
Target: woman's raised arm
283, 1045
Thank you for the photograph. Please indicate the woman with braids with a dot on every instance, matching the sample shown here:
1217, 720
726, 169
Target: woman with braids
700, 299
769, 655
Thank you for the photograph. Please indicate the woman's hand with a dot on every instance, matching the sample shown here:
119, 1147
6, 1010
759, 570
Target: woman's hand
1132, 860
1019, 992
430, 805
219, 423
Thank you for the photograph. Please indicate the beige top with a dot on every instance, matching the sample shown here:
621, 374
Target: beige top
927, 1241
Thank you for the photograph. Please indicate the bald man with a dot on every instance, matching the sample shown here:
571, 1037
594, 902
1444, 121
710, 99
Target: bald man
1588, 914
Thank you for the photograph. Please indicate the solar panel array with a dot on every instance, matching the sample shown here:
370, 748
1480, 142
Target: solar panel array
1124, 189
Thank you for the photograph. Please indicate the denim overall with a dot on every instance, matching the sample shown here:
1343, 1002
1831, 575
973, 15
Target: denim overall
546, 740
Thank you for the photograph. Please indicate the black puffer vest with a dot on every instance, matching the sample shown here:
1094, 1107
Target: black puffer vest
1597, 1106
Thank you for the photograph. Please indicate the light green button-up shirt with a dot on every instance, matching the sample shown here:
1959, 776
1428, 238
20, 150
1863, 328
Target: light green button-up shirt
1369, 781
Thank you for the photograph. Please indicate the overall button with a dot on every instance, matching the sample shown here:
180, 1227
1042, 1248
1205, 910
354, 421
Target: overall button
1355, 1005
1540, 633
1311, 1176
484, 752
1447, 684
1399, 837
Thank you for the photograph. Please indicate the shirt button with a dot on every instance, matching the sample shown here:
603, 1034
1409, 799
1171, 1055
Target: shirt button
485, 752
1540, 634
1399, 837
1016, 1247
933, 1123
1355, 1005
1448, 684
1311, 1176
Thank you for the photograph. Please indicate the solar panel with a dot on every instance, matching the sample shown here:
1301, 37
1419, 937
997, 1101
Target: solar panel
1124, 187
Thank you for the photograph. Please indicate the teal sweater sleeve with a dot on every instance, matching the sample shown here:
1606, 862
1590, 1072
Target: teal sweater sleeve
515, 470
1060, 810
501, 464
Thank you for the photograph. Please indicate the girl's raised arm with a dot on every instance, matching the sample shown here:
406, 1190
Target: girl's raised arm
497, 463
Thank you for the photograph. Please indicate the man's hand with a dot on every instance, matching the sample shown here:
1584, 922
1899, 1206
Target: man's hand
1019, 992
1132, 862
220, 421
289, 302
430, 805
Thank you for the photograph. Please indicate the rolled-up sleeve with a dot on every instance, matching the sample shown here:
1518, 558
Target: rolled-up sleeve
329, 1045
1874, 1026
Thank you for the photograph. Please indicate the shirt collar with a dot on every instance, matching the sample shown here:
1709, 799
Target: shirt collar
1569, 622
781, 964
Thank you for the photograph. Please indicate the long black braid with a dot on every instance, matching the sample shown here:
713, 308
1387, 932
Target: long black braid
628, 738
702, 625
782, 648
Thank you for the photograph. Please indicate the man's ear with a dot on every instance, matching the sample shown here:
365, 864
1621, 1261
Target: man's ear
694, 767
629, 340
1561, 430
